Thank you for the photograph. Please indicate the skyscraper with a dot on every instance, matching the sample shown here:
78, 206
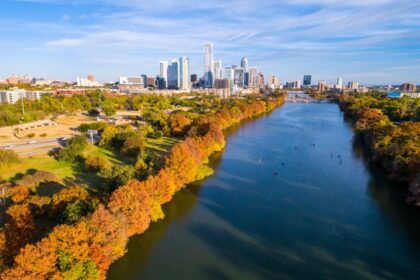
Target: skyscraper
322, 86
208, 65
163, 70
307, 80
173, 74
239, 77
340, 83
253, 77
217, 68
245, 64
273, 82
184, 73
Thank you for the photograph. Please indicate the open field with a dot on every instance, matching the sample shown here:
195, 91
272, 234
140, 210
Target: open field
74, 173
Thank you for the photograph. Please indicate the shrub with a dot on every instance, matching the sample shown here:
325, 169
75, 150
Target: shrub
34, 180
76, 210
18, 193
133, 145
117, 175
43, 135
96, 163
74, 149
94, 112
30, 135
8, 157
158, 134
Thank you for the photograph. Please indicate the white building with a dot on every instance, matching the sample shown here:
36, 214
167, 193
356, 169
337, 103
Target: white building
132, 81
163, 70
339, 83
353, 85
273, 82
208, 65
13, 96
217, 69
184, 73
82, 82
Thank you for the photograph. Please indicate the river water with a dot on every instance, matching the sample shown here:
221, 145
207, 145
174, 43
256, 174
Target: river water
292, 197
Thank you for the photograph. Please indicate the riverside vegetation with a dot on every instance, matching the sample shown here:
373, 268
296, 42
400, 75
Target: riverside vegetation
94, 229
391, 130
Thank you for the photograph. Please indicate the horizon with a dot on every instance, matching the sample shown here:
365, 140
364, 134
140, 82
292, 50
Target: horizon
373, 42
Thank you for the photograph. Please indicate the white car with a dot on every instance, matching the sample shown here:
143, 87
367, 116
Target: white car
31, 142
9, 147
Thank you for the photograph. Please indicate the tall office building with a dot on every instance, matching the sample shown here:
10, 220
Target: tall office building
253, 77
307, 80
208, 65
194, 78
245, 64
163, 70
217, 68
408, 87
184, 73
322, 86
339, 83
238, 78
273, 82
173, 74
260, 80
353, 85
144, 77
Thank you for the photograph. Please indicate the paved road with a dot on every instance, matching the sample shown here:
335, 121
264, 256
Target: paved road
39, 146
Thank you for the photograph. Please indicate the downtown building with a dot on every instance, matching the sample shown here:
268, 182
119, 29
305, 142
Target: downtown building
208, 65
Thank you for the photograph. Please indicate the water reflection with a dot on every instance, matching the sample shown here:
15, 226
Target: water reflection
273, 211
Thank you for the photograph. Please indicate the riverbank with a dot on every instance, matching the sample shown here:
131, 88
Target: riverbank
396, 146
94, 243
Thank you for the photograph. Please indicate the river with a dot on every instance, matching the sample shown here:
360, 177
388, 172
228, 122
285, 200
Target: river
293, 196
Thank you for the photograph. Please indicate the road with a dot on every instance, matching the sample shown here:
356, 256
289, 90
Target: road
32, 147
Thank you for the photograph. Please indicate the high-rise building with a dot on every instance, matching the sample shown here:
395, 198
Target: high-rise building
245, 64
217, 68
208, 65
353, 85
194, 78
160, 82
322, 86
184, 73
173, 74
221, 83
260, 80
408, 87
238, 78
151, 82
339, 83
253, 77
163, 70
144, 77
307, 80
273, 82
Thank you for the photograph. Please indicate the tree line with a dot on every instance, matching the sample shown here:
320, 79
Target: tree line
391, 130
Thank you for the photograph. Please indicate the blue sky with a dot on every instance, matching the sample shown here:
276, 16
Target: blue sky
371, 41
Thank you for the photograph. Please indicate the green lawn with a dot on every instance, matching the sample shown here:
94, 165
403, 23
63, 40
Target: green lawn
74, 173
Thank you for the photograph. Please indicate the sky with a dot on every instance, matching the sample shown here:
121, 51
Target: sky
370, 41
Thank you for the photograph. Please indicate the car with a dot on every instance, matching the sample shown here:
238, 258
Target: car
62, 139
9, 147
32, 142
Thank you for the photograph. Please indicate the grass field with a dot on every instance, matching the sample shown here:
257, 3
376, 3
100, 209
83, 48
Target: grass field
74, 173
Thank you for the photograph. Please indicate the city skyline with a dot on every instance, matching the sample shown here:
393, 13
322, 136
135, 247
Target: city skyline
65, 39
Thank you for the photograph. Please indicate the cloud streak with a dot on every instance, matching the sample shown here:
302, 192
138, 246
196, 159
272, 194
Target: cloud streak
345, 36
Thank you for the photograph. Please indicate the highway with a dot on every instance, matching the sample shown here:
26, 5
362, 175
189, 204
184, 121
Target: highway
32, 147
